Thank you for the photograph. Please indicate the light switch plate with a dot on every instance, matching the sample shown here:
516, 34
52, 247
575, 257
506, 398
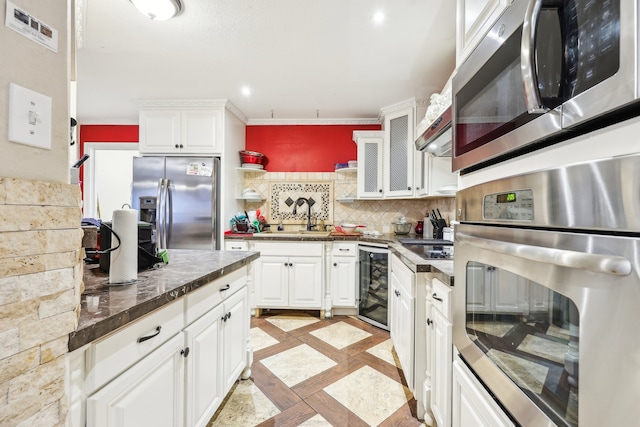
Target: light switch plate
29, 117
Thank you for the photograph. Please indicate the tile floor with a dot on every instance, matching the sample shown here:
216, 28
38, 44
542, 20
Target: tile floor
311, 372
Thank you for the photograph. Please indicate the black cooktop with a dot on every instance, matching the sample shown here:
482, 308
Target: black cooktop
429, 248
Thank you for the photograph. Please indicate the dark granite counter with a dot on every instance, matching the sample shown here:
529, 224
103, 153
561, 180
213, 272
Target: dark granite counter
442, 269
118, 305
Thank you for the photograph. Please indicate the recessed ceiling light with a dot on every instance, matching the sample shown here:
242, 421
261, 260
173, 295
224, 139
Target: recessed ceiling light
246, 90
378, 17
158, 10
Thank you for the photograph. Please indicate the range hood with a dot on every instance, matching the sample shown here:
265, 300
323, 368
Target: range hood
437, 138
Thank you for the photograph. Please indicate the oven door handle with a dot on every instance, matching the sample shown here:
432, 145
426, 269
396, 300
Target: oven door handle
605, 264
528, 59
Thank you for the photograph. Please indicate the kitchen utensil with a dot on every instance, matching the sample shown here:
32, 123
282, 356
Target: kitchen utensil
348, 228
252, 157
402, 227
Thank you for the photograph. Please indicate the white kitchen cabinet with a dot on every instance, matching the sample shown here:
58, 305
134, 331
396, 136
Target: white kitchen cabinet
150, 393
234, 337
402, 315
370, 163
441, 353
204, 389
193, 131
343, 274
399, 150
433, 176
289, 275
474, 19
472, 406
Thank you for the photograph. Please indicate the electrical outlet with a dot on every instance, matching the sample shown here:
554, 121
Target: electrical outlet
29, 117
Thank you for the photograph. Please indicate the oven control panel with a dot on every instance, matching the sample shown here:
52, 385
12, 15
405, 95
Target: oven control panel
514, 205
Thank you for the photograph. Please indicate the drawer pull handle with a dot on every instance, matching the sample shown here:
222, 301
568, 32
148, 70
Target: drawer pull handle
237, 248
224, 318
148, 337
343, 250
225, 288
437, 298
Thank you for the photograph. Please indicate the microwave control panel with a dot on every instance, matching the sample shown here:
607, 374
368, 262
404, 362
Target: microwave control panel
514, 205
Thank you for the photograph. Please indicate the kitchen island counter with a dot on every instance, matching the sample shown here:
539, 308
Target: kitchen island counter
118, 305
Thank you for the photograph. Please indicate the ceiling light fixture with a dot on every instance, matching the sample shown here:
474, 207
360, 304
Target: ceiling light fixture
158, 10
246, 90
378, 17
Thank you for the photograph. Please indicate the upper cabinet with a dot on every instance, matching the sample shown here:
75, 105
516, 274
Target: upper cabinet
369, 181
181, 131
399, 137
475, 17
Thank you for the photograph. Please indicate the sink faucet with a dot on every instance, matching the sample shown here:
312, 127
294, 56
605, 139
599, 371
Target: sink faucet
300, 202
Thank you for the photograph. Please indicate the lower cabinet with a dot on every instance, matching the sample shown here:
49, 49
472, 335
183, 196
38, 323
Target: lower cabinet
216, 357
472, 404
173, 367
402, 314
343, 274
441, 352
289, 275
148, 394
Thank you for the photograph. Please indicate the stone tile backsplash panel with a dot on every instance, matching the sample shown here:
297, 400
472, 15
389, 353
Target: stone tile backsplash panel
284, 195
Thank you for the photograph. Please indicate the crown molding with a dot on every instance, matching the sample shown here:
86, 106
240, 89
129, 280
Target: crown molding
275, 122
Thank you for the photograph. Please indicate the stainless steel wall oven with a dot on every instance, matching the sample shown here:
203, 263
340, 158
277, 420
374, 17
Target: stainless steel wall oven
547, 295
546, 67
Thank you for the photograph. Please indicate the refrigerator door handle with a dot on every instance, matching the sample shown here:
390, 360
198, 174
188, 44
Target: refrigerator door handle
159, 217
169, 212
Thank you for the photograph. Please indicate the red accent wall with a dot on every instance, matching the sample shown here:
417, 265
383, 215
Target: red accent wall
107, 133
304, 148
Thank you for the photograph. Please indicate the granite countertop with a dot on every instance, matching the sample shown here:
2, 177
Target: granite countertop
442, 269
118, 305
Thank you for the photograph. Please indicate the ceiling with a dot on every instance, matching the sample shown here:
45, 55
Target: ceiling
301, 59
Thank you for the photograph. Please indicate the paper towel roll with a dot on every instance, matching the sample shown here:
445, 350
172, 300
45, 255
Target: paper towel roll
123, 267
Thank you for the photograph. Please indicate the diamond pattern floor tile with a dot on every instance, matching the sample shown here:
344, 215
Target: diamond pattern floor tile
384, 351
260, 339
384, 396
288, 367
289, 322
247, 406
340, 334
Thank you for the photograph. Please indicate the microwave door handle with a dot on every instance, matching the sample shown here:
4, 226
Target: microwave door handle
605, 264
528, 59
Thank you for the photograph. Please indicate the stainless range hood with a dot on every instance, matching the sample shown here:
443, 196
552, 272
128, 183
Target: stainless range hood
437, 138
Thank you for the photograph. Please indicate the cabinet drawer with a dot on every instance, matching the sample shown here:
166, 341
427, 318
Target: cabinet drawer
441, 297
236, 245
344, 249
121, 349
205, 298
289, 248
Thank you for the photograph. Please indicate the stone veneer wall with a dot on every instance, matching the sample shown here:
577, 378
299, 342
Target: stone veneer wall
40, 288
375, 214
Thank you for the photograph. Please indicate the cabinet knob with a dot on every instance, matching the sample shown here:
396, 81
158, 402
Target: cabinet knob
409, 188
380, 190
185, 352
177, 146
181, 146
335, 264
429, 322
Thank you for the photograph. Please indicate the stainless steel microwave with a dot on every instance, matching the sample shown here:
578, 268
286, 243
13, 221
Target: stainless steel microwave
547, 70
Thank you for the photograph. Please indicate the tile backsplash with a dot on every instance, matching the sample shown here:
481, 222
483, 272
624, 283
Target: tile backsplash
335, 204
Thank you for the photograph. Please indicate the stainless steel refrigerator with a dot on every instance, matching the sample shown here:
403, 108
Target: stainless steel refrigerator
179, 196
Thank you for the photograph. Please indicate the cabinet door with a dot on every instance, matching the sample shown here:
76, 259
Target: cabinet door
398, 154
150, 393
159, 131
441, 369
440, 175
422, 171
201, 131
405, 336
235, 331
272, 281
475, 17
369, 179
204, 382
305, 282
472, 405
343, 281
